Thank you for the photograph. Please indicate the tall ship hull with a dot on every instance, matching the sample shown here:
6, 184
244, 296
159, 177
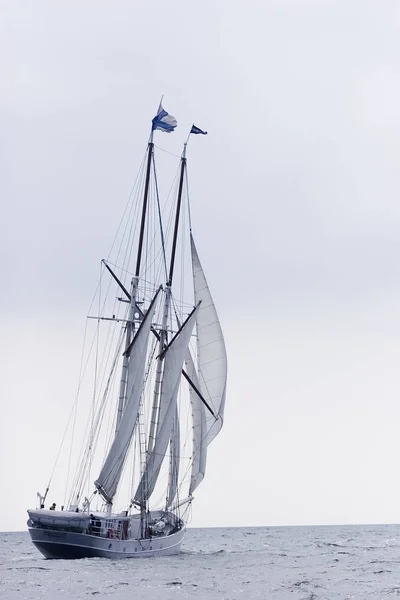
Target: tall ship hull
152, 385
57, 536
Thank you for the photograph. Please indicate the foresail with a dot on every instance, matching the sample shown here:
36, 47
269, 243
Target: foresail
111, 471
211, 352
173, 363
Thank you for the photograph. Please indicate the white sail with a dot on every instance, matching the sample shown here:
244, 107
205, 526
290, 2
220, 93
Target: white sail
211, 352
173, 363
199, 452
111, 471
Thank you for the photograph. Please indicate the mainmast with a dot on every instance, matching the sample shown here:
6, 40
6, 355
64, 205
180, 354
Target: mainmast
163, 332
177, 216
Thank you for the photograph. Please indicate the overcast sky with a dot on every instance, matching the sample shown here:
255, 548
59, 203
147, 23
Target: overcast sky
295, 195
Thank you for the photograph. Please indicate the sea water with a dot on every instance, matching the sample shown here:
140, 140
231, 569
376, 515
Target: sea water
226, 564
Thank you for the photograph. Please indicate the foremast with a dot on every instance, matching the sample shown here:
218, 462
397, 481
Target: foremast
130, 326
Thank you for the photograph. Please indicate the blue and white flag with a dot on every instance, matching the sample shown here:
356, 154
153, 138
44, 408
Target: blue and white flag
197, 130
164, 121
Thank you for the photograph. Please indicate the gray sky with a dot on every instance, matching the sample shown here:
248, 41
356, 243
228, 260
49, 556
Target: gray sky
295, 189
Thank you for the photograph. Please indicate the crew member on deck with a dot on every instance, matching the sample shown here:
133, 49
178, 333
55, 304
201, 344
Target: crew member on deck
53, 506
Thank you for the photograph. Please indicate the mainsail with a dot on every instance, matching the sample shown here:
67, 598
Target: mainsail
174, 357
110, 474
212, 372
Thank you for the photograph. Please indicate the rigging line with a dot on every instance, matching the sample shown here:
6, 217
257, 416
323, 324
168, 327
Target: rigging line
82, 474
135, 453
128, 203
82, 370
170, 193
111, 330
147, 245
83, 454
188, 200
160, 221
101, 313
132, 203
116, 266
74, 411
167, 229
94, 387
109, 343
185, 448
128, 236
110, 382
157, 271
183, 254
166, 151
109, 434
78, 391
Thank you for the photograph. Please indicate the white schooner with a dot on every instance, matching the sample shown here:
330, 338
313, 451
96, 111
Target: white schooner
165, 340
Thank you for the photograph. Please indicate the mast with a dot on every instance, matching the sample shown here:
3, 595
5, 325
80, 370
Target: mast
150, 149
134, 286
163, 332
177, 215
154, 424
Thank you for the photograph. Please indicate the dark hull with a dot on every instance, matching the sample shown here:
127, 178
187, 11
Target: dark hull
66, 545
66, 551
